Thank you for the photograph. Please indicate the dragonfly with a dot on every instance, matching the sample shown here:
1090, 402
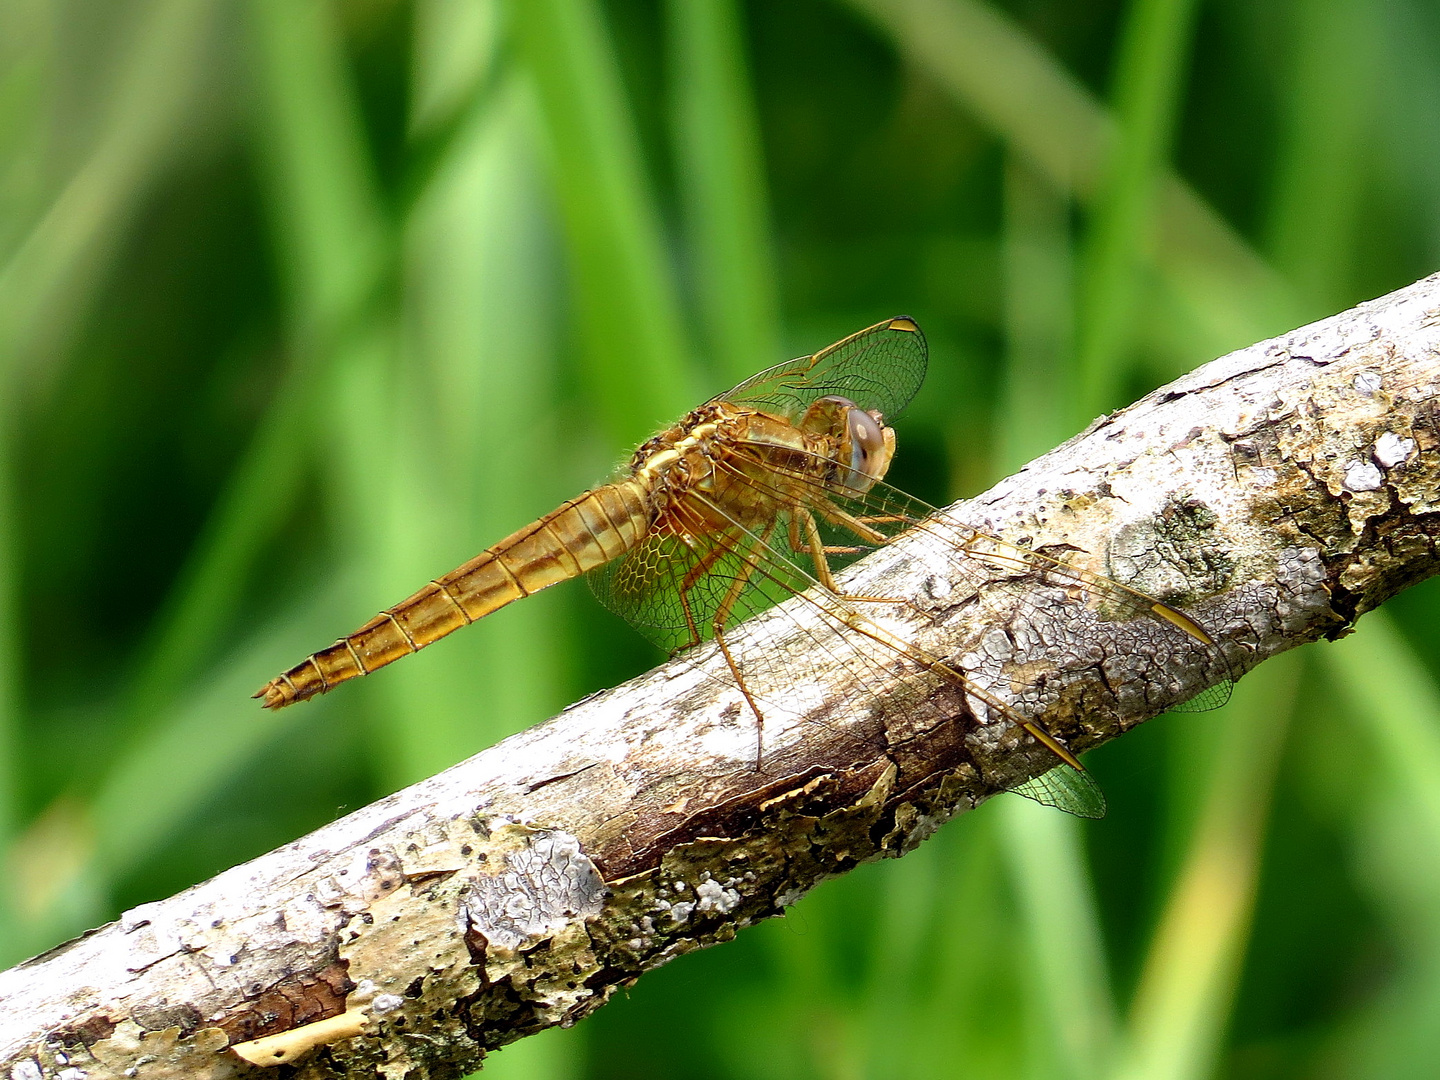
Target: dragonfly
760, 496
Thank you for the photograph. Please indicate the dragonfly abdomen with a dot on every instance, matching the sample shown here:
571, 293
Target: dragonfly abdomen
580, 535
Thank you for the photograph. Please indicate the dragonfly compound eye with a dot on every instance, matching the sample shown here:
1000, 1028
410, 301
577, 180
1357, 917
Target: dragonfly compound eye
868, 451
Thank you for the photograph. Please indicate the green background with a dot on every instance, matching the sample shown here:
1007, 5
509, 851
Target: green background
302, 303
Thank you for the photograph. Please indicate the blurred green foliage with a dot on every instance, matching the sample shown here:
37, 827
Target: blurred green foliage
304, 302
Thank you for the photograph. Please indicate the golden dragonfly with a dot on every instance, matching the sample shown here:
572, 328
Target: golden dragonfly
760, 495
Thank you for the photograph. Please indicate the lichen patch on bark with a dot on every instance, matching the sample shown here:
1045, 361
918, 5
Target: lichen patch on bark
1275, 495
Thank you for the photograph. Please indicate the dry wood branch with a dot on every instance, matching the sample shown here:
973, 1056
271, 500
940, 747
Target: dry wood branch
1277, 493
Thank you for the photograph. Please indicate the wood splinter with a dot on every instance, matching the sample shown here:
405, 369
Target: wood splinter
286, 1046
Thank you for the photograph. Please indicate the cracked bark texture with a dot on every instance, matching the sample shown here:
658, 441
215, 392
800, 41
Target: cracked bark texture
1276, 494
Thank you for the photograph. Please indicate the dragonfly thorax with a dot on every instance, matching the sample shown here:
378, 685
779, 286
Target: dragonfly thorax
730, 466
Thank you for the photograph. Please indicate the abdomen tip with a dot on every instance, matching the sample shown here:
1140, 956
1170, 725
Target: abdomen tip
275, 694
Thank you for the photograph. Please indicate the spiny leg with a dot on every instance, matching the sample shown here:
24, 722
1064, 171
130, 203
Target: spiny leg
859, 526
748, 564
798, 545
698, 571
816, 546
818, 550
838, 517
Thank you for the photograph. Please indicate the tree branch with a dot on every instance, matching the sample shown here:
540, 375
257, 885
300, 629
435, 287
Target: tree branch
1276, 494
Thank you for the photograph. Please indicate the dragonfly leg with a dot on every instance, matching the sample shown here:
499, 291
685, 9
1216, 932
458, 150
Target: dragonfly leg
816, 546
818, 551
748, 564
699, 570
796, 544
859, 526
745, 692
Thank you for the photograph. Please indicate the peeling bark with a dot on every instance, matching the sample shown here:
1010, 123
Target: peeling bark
1276, 494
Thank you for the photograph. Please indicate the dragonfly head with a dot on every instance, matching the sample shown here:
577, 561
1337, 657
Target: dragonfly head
865, 443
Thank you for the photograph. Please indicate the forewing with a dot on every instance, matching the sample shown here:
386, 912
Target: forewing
678, 592
784, 556
879, 368
686, 580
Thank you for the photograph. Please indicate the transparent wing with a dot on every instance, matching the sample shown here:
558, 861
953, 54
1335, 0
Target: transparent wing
1066, 788
757, 536
684, 592
1139, 630
879, 368
676, 591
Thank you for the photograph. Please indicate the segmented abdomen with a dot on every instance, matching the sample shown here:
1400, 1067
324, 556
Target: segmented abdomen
584, 533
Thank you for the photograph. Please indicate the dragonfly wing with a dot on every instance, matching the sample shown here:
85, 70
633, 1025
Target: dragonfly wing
642, 587
677, 589
879, 368
1066, 788
780, 567
999, 574
680, 585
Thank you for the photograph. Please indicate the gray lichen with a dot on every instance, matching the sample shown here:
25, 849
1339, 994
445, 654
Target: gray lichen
1277, 495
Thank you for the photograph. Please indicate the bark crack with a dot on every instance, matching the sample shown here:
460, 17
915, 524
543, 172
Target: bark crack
1275, 495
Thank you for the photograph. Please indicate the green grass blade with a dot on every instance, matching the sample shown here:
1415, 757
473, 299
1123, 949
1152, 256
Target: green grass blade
455, 47
1191, 972
332, 253
632, 339
329, 228
1034, 415
722, 183
1396, 837
460, 400
46, 279
26, 76
253, 505
551, 1054
481, 309
1329, 87
1068, 986
330, 235
334, 243
27, 94
68, 859
53, 255
1224, 296
889, 1018
156, 783
12, 761
1397, 701
1154, 46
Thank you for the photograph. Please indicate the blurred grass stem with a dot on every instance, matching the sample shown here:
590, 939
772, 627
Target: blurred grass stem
634, 344
48, 277
478, 365
1222, 295
1191, 974
1149, 80
1317, 203
722, 184
1068, 999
